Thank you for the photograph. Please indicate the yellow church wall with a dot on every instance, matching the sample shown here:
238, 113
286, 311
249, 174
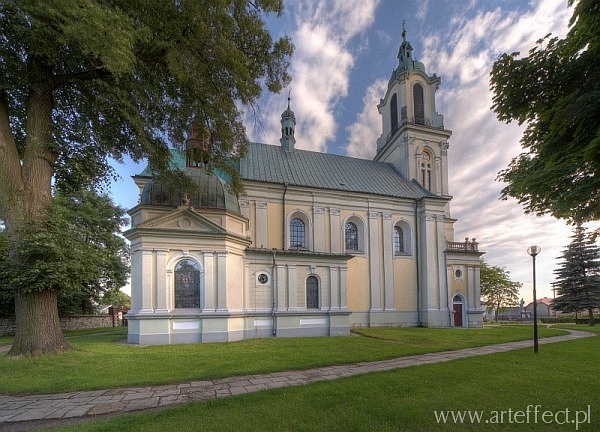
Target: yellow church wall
275, 225
458, 284
405, 282
358, 284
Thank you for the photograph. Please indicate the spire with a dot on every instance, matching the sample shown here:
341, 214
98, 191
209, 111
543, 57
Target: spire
288, 126
405, 57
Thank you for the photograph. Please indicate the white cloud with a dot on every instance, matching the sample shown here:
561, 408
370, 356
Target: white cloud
320, 68
422, 10
366, 129
481, 146
462, 53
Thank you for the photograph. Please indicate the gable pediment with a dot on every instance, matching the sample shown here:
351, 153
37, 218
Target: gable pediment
183, 220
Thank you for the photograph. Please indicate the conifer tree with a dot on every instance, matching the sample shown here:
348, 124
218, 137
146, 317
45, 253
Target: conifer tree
578, 277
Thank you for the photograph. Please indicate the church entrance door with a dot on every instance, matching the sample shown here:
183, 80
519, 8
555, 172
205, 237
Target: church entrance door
458, 318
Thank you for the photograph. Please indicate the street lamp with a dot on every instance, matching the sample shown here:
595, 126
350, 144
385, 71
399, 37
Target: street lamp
534, 251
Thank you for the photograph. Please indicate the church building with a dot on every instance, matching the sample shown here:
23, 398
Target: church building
317, 244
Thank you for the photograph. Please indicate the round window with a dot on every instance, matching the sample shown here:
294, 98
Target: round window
458, 273
263, 278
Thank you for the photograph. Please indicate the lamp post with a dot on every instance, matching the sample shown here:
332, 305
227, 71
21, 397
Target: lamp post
534, 251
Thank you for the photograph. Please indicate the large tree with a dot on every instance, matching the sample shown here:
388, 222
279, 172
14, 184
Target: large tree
578, 276
555, 91
498, 291
79, 253
85, 80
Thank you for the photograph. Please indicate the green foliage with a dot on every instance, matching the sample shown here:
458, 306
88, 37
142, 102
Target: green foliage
557, 320
116, 297
578, 275
555, 90
131, 76
78, 251
497, 289
83, 81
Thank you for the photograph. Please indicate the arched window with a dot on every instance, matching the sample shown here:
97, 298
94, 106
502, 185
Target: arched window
419, 106
402, 239
312, 293
354, 234
297, 233
351, 235
398, 240
426, 170
187, 284
394, 112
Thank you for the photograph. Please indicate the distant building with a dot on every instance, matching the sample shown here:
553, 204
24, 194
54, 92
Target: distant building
544, 308
318, 244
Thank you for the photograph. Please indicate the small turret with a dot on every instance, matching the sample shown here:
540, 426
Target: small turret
288, 126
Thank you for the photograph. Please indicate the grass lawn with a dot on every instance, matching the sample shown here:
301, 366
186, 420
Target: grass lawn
562, 376
99, 362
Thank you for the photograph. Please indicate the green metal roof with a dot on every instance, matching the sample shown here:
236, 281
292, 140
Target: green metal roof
272, 164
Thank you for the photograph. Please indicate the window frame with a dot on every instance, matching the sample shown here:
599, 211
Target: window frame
359, 223
354, 247
399, 244
419, 102
297, 234
197, 297
407, 237
313, 293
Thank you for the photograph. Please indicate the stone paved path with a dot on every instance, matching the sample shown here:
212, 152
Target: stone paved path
22, 412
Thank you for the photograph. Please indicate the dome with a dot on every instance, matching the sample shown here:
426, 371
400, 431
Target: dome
212, 193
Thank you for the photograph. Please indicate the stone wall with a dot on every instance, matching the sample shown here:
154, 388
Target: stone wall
7, 327
75, 322
80, 322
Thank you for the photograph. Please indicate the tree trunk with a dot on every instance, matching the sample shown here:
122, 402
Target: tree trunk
37, 325
25, 198
591, 314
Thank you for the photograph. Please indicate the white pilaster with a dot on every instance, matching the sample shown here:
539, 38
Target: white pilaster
343, 290
334, 230
210, 286
161, 280
222, 282
374, 260
293, 295
441, 262
438, 175
137, 289
334, 288
388, 266
147, 282
281, 287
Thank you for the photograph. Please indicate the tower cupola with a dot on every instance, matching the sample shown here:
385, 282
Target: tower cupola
288, 126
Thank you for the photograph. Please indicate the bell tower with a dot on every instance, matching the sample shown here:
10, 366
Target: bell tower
413, 137
288, 128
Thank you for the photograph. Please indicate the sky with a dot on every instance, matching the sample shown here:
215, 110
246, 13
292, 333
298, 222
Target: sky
345, 52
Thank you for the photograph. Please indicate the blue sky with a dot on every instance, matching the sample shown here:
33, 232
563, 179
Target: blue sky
345, 53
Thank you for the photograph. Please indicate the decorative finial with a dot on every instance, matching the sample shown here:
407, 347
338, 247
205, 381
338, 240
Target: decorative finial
289, 97
403, 31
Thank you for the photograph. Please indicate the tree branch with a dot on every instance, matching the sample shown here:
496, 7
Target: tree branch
88, 75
